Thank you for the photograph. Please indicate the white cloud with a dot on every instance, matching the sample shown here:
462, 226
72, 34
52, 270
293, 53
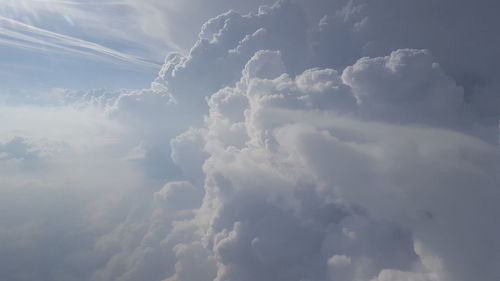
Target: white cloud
404, 176
163, 19
381, 169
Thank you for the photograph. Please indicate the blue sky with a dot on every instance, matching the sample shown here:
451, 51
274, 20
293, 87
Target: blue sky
94, 44
74, 44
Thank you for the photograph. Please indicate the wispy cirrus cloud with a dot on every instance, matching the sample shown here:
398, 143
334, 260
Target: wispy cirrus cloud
17, 34
127, 30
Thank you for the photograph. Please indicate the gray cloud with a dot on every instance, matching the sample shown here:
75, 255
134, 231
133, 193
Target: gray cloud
401, 175
292, 146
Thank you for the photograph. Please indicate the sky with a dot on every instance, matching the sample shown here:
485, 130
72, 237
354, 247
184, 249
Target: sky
191, 140
88, 44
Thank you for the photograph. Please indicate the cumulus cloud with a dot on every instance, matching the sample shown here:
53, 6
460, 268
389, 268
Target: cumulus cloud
178, 22
401, 182
278, 149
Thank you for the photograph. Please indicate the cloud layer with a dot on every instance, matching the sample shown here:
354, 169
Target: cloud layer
286, 145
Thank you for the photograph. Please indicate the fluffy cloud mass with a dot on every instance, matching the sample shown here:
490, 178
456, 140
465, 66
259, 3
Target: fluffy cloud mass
360, 145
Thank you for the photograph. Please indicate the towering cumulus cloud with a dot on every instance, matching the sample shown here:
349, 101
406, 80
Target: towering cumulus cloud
380, 168
318, 141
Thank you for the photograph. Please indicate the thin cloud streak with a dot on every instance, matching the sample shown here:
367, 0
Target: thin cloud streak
24, 36
79, 3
